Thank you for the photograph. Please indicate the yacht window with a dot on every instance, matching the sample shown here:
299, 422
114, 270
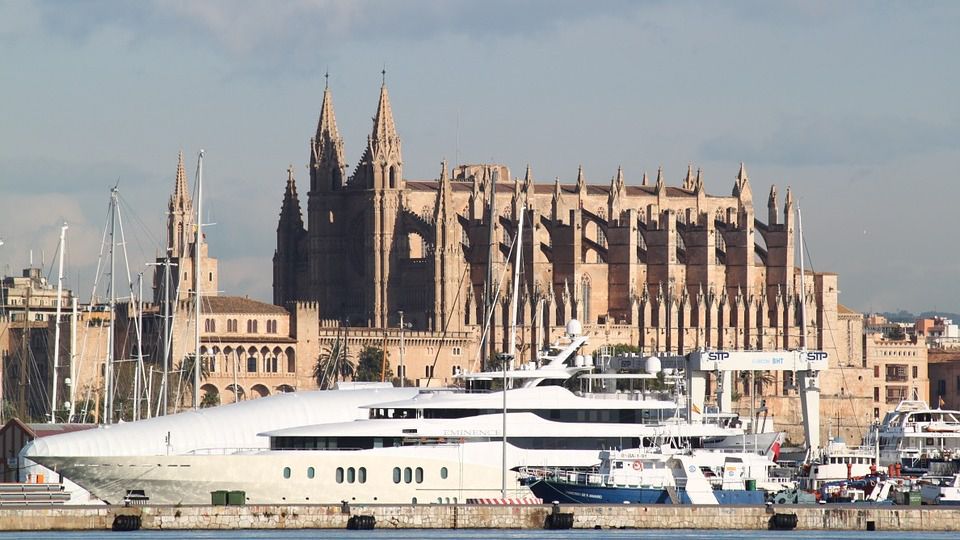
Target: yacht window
419, 475
339, 475
311, 472
362, 475
618, 465
286, 472
351, 475
396, 475
407, 475
443, 473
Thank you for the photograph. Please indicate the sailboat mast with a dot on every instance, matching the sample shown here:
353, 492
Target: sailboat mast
511, 350
56, 331
73, 359
166, 334
108, 367
803, 280
196, 285
489, 294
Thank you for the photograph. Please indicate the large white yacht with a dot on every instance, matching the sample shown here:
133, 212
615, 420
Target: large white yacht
913, 435
435, 446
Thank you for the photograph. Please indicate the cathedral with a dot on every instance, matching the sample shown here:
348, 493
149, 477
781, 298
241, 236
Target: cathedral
665, 268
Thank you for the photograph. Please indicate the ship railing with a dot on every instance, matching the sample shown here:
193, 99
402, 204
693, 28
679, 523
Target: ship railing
225, 451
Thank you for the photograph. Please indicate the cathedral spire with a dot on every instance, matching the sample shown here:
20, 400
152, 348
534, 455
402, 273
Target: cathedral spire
384, 129
689, 180
181, 196
644, 181
179, 213
327, 164
618, 183
581, 181
381, 166
290, 214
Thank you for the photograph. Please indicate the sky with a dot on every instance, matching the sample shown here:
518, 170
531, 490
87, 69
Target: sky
852, 104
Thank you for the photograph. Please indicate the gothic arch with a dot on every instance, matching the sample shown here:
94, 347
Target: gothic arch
259, 391
291, 356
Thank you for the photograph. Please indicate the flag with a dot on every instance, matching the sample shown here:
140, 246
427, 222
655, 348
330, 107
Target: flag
941, 402
693, 406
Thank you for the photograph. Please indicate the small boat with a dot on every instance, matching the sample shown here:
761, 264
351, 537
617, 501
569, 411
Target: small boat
640, 476
942, 492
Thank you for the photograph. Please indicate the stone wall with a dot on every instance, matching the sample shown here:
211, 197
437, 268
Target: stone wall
899, 518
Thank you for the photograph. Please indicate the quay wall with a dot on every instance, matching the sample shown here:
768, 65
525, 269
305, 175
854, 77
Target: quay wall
852, 517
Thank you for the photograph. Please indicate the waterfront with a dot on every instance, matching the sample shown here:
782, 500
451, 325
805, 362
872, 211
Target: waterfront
478, 534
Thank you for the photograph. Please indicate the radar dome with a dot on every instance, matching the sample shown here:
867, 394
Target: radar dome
574, 328
652, 365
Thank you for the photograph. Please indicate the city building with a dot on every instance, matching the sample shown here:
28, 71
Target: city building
899, 371
666, 268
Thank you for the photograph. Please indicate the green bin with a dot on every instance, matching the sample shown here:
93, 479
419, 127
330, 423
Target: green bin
236, 498
751, 484
914, 498
218, 498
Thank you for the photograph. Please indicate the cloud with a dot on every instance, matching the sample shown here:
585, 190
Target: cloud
799, 141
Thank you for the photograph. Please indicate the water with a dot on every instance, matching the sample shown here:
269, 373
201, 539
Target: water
448, 534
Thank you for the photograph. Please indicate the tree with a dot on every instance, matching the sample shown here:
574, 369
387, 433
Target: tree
761, 380
372, 367
333, 365
185, 367
209, 399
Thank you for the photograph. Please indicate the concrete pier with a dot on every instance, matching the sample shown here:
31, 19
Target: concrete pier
809, 517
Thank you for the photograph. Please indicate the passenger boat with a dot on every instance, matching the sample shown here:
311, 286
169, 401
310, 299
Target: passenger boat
914, 435
662, 476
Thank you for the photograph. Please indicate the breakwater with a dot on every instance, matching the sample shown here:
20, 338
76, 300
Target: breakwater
808, 517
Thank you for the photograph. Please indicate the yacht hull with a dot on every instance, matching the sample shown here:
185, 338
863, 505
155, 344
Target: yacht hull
567, 493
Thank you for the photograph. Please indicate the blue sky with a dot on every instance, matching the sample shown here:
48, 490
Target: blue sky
854, 105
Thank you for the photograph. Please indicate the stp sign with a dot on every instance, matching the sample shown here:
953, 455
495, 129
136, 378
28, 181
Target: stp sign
717, 356
817, 356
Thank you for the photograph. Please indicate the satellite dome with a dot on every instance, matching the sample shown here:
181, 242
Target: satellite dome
574, 328
652, 366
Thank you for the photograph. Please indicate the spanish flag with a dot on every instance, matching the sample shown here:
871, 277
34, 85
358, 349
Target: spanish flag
694, 408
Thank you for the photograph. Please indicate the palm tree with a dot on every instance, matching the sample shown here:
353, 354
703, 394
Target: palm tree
761, 380
185, 367
333, 365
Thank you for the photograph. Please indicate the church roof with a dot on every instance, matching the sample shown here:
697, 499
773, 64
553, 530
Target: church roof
239, 305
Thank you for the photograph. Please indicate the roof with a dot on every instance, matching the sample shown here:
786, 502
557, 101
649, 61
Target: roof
844, 310
37, 430
239, 304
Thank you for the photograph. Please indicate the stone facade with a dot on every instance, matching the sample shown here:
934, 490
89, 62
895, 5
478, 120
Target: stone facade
665, 268
898, 371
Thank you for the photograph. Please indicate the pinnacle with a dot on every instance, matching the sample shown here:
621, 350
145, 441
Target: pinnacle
384, 128
644, 182
742, 175
181, 195
581, 181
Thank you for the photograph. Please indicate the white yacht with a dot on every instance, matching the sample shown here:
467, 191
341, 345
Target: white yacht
913, 435
433, 446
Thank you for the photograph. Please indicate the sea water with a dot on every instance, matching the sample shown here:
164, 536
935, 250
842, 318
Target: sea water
458, 534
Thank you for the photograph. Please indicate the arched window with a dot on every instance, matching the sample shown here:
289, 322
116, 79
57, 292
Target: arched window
251, 326
393, 177
585, 299
209, 325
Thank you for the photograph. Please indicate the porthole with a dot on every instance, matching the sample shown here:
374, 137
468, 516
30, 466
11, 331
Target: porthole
396, 475
286, 472
407, 475
351, 475
339, 475
362, 475
311, 472
419, 475
443, 473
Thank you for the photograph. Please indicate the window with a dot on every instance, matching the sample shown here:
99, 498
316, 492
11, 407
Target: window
362, 475
457, 351
876, 393
443, 473
286, 472
876, 373
271, 326
311, 472
210, 279
428, 371
941, 387
231, 325
251, 326
339, 475
455, 370
351, 475
914, 372
209, 325
402, 372
396, 475
270, 364
419, 475
407, 475
251, 364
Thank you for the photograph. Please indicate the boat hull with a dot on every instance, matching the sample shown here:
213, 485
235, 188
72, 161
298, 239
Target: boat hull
567, 493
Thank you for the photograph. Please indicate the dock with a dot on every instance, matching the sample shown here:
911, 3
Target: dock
460, 516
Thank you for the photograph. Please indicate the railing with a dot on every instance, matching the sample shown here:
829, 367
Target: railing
896, 377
